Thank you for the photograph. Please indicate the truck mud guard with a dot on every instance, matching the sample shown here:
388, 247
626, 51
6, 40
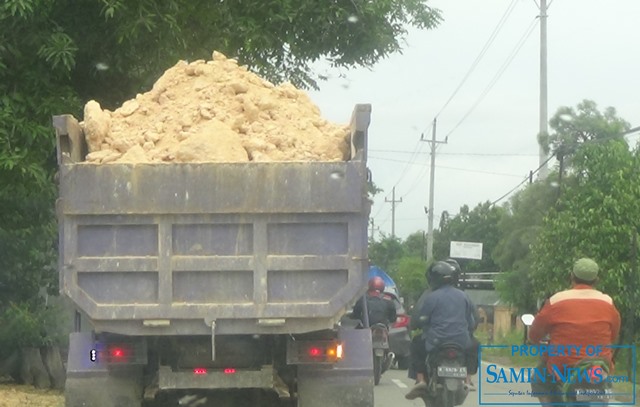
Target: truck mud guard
348, 383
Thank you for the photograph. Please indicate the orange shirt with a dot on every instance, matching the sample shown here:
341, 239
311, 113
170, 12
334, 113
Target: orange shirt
580, 316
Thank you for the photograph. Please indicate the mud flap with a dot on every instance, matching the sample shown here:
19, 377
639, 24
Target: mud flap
91, 384
348, 383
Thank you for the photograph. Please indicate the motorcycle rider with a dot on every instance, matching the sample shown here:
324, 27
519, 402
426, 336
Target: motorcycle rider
380, 310
580, 316
472, 354
445, 315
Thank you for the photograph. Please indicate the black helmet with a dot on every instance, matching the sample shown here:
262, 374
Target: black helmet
441, 273
456, 266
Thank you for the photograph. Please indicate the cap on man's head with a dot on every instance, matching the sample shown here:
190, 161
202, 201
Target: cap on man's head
585, 269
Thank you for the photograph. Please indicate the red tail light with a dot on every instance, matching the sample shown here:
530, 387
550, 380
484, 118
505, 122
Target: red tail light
319, 352
401, 321
200, 371
452, 354
119, 353
229, 370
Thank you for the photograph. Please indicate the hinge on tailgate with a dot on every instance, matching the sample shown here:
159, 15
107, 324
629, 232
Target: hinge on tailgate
213, 340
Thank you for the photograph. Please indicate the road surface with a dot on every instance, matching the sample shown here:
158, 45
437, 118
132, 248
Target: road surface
395, 384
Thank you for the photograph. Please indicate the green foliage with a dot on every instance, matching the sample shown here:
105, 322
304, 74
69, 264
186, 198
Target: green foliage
59, 50
415, 245
20, 326
29, 325
386, 253
477, 225
124, 46
403, 261
573, 127
373, 189
410, 278
57, 54
519, 228
596, 217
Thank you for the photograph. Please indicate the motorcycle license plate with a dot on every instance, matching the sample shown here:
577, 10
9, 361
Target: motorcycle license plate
600, 395
452, 371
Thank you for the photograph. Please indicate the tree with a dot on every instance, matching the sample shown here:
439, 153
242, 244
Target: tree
34, 83
477, 225
574, 127
519, 228
596, 217
415, 245
386, 253
55, 55
410, 278
120, 47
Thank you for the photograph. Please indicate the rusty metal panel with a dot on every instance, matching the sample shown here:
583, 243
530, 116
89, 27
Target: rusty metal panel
212, 188
255, 247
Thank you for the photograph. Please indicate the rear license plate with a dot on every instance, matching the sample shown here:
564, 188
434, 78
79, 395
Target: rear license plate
452, 371
600, 395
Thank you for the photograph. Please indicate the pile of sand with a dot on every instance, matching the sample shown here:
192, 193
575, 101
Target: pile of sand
214, 111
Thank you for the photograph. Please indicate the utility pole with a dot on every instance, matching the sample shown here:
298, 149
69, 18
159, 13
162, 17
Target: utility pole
432, 143
373, 228
543, 88
393, 210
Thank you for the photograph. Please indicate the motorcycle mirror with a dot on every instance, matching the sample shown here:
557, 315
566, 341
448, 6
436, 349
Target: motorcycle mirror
527, 319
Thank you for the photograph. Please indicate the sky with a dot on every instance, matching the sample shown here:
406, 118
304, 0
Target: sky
491, 122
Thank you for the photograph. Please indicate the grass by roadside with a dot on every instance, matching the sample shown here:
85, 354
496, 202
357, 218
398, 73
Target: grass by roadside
503, 356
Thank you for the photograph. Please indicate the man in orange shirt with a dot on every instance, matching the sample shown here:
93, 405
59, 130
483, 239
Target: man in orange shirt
579, 317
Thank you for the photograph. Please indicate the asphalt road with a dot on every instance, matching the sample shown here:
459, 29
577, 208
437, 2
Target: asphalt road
395, 384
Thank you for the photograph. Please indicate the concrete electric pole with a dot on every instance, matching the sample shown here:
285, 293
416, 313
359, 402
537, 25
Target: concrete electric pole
432, 143
393, 203
543, 88
372, 229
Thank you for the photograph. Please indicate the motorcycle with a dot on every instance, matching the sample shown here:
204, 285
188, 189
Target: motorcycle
382, 357
446, 376
588, 385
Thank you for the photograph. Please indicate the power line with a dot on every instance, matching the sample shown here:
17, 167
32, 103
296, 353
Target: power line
393, 201
447, 167
479, 171
527, 178
417, 150
463, 154
511, 190
482, 53
418, 180
498, 74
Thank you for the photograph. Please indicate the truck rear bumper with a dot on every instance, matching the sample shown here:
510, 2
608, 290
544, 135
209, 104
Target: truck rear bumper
264, 378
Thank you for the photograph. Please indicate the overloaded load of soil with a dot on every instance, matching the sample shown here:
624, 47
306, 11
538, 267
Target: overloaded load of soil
213, 111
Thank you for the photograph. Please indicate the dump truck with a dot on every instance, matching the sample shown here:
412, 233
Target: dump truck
214, 283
